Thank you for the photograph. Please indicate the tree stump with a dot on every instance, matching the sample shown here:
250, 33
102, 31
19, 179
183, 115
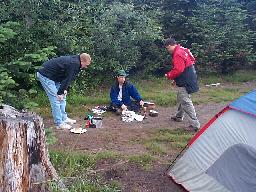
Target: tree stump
24, 158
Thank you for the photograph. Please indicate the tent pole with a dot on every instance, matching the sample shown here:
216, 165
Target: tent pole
172, 163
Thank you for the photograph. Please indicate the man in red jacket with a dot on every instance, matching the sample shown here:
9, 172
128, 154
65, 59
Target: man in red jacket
184, 78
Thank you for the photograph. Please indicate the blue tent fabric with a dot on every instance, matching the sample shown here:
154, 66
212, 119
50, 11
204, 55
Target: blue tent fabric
246, 103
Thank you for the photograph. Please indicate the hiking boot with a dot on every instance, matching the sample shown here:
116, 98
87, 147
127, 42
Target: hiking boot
70, 121
191, 128
177, 119
64, 126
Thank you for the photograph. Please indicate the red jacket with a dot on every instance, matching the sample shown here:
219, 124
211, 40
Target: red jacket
181, 59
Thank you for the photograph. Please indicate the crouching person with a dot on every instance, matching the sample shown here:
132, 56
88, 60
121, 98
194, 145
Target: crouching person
56, 76
124, 95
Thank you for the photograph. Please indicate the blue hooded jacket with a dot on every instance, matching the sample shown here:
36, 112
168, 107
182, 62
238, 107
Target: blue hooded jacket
129, 92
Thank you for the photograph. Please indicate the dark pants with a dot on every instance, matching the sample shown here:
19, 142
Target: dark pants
135, 106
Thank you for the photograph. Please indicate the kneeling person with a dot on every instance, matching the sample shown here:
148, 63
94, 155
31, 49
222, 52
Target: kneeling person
124, 95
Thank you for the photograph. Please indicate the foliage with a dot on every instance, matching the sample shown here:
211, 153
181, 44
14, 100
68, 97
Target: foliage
18, 78
120, 31
120, 34
223, 42
6, 81
176, 19
23, 69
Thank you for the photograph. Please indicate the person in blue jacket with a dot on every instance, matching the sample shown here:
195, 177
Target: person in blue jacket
56, 76
124, 95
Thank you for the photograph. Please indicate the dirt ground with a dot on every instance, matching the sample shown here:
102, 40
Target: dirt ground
116, 135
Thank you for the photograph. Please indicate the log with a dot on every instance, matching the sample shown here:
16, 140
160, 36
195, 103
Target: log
24, 159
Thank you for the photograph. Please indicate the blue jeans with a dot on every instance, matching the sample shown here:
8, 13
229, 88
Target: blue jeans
58, 107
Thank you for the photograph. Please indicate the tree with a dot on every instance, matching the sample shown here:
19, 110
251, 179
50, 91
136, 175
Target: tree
118, 36
17, 73
222, 40
176, 19
6, 82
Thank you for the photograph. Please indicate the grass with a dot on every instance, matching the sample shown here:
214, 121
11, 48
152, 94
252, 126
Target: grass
241, 76
217, 95
83, 185
50, 137
238, 77
167, 135
156, 147
165, 139
144, 160
72, 163
75, 168
91, 99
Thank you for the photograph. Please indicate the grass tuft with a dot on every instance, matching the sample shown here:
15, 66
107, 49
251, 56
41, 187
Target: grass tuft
71, 164
50, 137
144, 160
76, 166
156, 148
166, 139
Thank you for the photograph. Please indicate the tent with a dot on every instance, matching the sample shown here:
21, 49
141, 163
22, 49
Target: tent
222, 155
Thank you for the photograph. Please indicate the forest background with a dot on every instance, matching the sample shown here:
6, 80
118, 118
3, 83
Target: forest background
123, 34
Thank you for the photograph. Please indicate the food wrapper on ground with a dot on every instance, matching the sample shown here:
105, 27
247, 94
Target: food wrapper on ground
128, 116
78, 130
138, 117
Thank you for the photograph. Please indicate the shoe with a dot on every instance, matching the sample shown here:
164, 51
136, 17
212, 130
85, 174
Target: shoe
177, 119
191, 128
64, 126
70, 121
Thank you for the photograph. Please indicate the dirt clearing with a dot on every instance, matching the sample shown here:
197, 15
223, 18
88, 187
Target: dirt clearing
129, 139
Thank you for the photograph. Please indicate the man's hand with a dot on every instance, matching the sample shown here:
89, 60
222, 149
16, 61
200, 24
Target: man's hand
123, 107
141, 102
65, 92
60, 97
173, 83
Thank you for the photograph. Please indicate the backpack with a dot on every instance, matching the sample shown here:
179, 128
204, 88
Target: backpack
188, 54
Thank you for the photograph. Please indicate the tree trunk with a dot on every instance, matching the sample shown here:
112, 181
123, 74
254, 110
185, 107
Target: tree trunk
24, 159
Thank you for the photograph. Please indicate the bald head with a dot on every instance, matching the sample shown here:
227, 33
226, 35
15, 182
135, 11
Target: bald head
85, 60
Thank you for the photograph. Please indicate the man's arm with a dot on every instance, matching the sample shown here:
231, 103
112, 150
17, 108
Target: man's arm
67, 81
178, 68
134, 93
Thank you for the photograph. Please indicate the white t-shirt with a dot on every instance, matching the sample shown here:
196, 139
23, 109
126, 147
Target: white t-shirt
120, 94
